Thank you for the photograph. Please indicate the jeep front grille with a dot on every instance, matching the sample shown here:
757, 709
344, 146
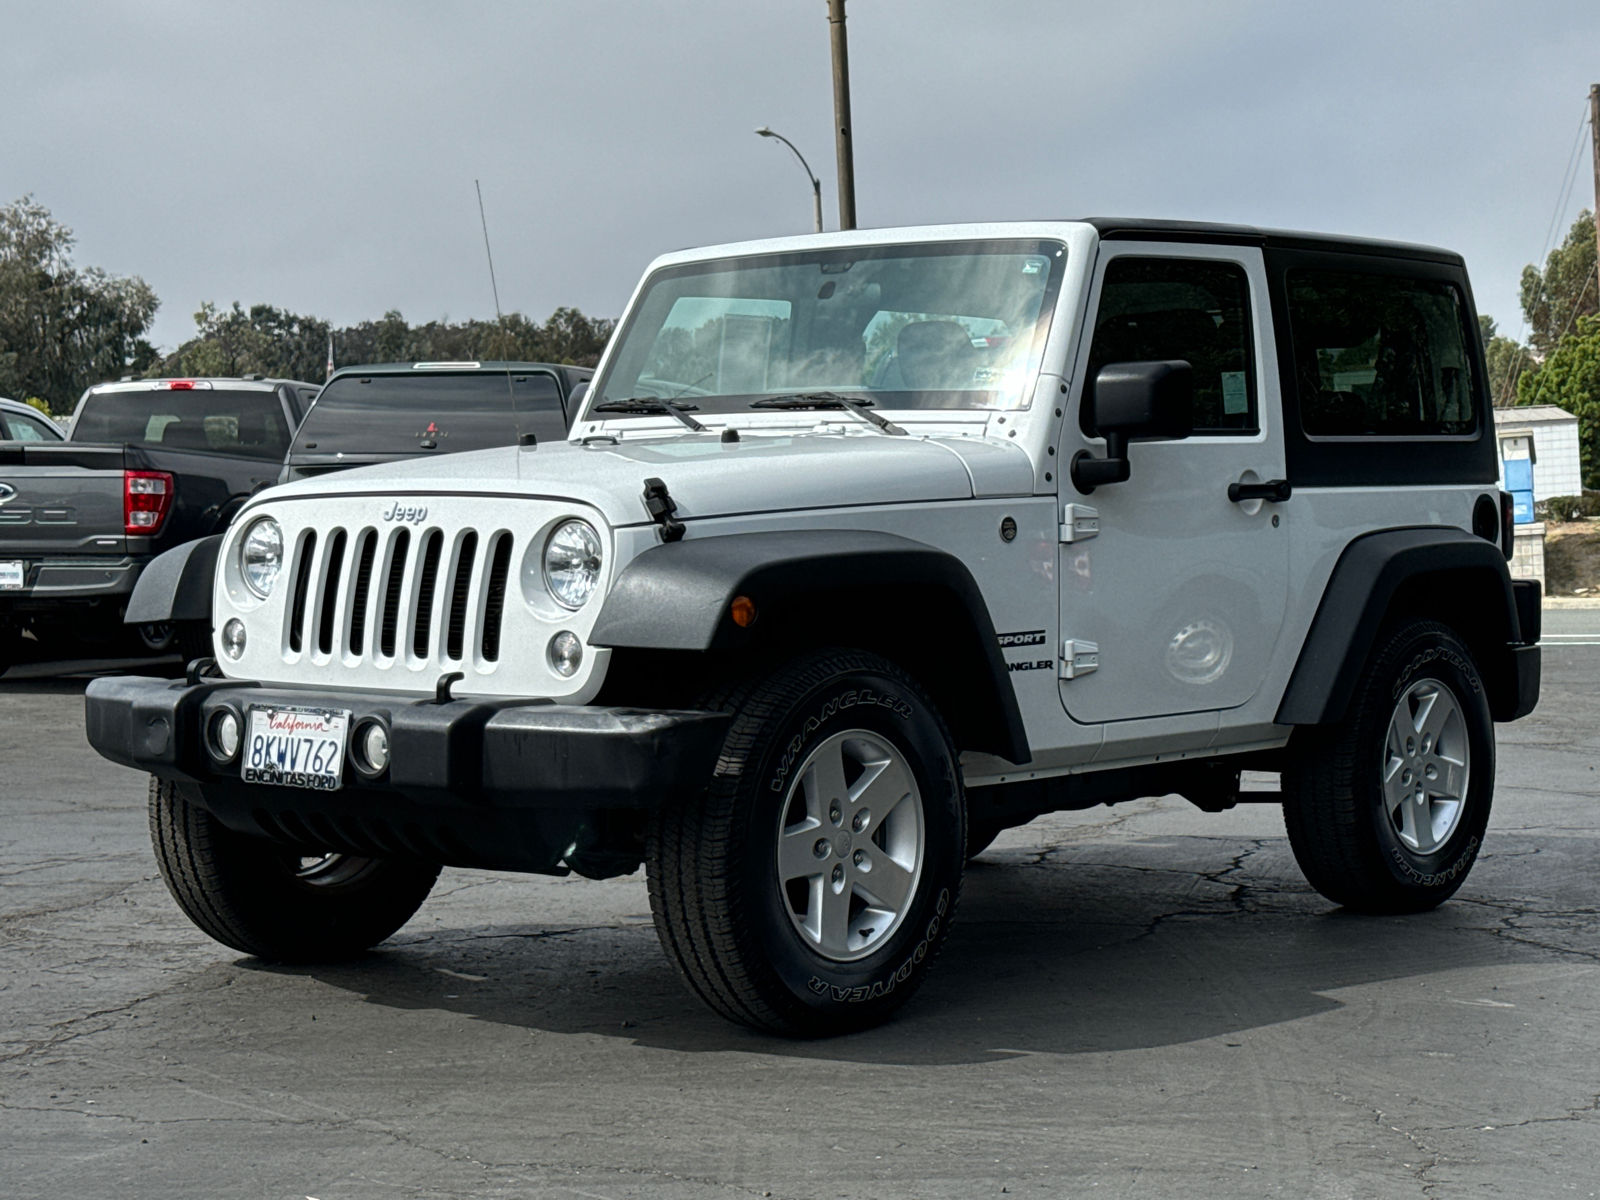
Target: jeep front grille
441, 604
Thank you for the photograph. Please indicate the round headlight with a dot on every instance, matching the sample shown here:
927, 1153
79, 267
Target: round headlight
261, 556
572, 563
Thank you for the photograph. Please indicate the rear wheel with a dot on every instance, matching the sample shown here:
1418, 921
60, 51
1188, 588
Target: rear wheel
1386, 811
808, 890
277, 902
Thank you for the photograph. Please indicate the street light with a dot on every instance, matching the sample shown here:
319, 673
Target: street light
816, 184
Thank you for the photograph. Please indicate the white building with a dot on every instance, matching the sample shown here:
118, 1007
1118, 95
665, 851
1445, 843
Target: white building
1548, 435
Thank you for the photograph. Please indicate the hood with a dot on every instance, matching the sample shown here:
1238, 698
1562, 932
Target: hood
709, 478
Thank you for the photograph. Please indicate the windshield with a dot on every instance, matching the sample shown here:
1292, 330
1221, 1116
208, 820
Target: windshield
249, 424
937, 325
398, 414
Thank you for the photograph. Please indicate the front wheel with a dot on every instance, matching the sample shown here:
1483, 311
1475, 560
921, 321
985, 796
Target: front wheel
808, 890
276, 902
1386, 811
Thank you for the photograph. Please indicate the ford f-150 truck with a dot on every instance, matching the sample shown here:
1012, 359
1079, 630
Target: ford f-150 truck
149, 464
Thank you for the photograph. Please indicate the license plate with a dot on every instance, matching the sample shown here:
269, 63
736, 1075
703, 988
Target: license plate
296, 747
12, 575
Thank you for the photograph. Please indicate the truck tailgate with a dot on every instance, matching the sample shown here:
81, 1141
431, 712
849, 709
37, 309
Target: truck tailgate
61, 498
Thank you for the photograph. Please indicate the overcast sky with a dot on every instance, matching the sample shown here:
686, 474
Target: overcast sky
320, 157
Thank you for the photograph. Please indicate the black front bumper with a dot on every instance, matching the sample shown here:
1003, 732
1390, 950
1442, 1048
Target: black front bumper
511, 784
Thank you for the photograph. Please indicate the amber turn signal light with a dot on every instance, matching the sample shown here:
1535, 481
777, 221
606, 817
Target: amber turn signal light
743, 611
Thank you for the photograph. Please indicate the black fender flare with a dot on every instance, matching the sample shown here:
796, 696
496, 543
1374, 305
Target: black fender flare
176, 585
676, 596
1475, 595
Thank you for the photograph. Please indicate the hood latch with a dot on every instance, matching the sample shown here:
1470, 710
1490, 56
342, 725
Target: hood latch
660, 505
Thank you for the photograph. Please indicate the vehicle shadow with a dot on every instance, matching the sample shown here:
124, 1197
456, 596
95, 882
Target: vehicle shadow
1062, 952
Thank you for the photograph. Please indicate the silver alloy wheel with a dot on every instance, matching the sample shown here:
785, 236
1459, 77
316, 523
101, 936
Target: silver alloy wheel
851, 841
1426, 760
327, 870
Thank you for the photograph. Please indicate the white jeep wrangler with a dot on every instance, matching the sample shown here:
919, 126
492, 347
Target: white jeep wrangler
863, 547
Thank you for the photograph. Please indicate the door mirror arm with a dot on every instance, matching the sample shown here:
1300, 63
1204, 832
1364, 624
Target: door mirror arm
1137, 401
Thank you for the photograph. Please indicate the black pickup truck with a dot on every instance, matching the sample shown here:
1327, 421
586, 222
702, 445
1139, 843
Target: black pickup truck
149, 464
381, 412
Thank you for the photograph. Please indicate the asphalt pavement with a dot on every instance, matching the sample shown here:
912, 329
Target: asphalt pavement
1142, 1001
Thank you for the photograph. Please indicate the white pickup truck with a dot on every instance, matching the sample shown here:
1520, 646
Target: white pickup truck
863, 547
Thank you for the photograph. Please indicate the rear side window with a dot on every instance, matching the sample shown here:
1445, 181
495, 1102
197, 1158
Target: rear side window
1197, 310
205, 420
1380, 355
20, 428
396, 414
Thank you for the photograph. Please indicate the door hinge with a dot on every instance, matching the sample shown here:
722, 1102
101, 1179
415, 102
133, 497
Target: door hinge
1079, 658
1079, 523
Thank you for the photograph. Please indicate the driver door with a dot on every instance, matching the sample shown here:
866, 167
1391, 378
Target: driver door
1174, 605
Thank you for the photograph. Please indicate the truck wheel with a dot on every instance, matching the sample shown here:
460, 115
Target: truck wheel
277, 902
807, 891
1386, 810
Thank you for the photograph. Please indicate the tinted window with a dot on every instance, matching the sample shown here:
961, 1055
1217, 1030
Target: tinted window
208, 420
395, 414
1379, 355
19, 427
1199, 311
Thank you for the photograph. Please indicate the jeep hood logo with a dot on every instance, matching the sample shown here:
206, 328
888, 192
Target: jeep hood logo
416, 514
7, 492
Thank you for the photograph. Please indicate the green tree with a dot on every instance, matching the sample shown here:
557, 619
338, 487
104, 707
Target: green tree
62, 327
263, 341
1553, 299
1507, 360
1570, 377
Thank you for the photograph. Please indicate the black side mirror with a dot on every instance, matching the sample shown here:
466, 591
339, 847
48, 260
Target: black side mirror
1134, 402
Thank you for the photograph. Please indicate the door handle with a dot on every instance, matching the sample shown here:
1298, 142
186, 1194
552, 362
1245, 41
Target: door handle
1275, 490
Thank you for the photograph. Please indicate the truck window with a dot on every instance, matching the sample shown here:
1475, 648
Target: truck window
246, 424
1379, 355
1197, 310
394, 414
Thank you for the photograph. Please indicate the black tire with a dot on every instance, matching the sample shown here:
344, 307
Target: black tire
245, 892
981, 835
1334, 805
719, 906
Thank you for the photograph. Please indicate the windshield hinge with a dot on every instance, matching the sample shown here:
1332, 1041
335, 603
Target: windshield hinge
660, 505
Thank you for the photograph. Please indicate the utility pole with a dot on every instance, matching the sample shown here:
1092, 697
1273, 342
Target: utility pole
841, 115
1594, 132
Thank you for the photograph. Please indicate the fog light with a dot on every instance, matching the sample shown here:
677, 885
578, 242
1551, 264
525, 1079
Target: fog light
566, 654
375, 747
225, 736
233, 638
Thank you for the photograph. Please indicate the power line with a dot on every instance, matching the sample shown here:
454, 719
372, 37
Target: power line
1563, 198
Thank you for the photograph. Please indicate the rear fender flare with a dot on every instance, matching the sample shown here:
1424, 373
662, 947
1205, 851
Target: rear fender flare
1443, 572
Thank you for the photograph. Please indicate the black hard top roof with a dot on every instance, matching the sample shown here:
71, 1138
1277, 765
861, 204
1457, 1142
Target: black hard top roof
1140, 228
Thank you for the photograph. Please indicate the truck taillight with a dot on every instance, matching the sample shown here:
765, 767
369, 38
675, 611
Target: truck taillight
146, 497
1508, 524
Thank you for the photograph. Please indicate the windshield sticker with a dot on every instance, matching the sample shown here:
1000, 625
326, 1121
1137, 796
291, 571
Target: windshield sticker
1235, 398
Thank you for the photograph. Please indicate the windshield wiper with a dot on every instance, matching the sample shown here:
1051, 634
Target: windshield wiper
652, 404
822, 400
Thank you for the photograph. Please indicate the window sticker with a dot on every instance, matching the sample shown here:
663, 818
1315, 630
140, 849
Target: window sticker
1235, 396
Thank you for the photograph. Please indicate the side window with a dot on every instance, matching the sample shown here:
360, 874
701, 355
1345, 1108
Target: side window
26, 429
1379, 355
1193, 309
